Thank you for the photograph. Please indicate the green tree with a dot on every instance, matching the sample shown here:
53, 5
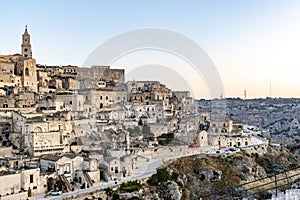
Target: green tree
147, 132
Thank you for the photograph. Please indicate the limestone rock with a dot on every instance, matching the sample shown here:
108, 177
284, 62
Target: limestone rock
174, 191
211, 175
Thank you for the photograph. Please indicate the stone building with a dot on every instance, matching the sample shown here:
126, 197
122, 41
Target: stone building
68, 101
7, 101
71, 168
104, 73
70, 71
51, 134
25, 99
29, 78
223, 141
21, 184
43, 81
26, 46
70, 83
101, 98
7, 76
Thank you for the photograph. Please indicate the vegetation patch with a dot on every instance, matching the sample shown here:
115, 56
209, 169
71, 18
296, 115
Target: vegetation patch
131, 186
165, 138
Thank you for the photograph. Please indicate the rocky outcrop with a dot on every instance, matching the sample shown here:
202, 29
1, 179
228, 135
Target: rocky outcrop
210, 175
129, 195
174, 191
250, 169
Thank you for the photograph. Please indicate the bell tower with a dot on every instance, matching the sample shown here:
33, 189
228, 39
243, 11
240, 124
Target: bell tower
26, 46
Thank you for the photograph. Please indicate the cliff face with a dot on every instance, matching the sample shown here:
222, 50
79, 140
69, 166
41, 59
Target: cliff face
199, 176
205, 175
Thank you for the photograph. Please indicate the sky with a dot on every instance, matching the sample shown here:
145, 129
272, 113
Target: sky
254, 44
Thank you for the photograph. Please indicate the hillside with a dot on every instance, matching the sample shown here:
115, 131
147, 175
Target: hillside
199, 176
211, 177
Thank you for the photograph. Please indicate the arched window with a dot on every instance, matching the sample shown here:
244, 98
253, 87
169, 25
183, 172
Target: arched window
38, 130
26, 72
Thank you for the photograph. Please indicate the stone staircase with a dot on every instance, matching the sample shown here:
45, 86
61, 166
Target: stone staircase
65, 180
88, 179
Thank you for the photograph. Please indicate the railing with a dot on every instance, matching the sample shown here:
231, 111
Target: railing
51, 147
88, 179
256, 187
65, 180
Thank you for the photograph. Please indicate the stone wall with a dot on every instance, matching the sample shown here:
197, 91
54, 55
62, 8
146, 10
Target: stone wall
260, 149
10, 183
95, 175
19, 196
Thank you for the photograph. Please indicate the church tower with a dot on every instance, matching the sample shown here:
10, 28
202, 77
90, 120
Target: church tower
28, 67
29, 77
26, 46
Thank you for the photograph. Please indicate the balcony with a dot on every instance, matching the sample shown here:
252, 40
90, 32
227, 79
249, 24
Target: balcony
49, 148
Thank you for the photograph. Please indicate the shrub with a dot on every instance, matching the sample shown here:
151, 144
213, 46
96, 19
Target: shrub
162, 175
130, 186
115, 197
165, 139
147, 132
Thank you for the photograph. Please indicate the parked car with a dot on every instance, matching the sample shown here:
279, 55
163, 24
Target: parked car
232, 149
55, 192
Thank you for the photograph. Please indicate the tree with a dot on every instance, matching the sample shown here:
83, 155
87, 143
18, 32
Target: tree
147, 132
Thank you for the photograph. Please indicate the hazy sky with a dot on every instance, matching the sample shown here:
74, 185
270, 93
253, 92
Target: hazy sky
252, 43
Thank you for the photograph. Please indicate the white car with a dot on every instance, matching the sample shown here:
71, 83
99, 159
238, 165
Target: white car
55, 192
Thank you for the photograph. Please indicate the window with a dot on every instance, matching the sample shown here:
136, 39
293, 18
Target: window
59, 127
27, 129
68, 169
106, 97
27, 72
12, 190
31, 178
70, 102
100, 97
